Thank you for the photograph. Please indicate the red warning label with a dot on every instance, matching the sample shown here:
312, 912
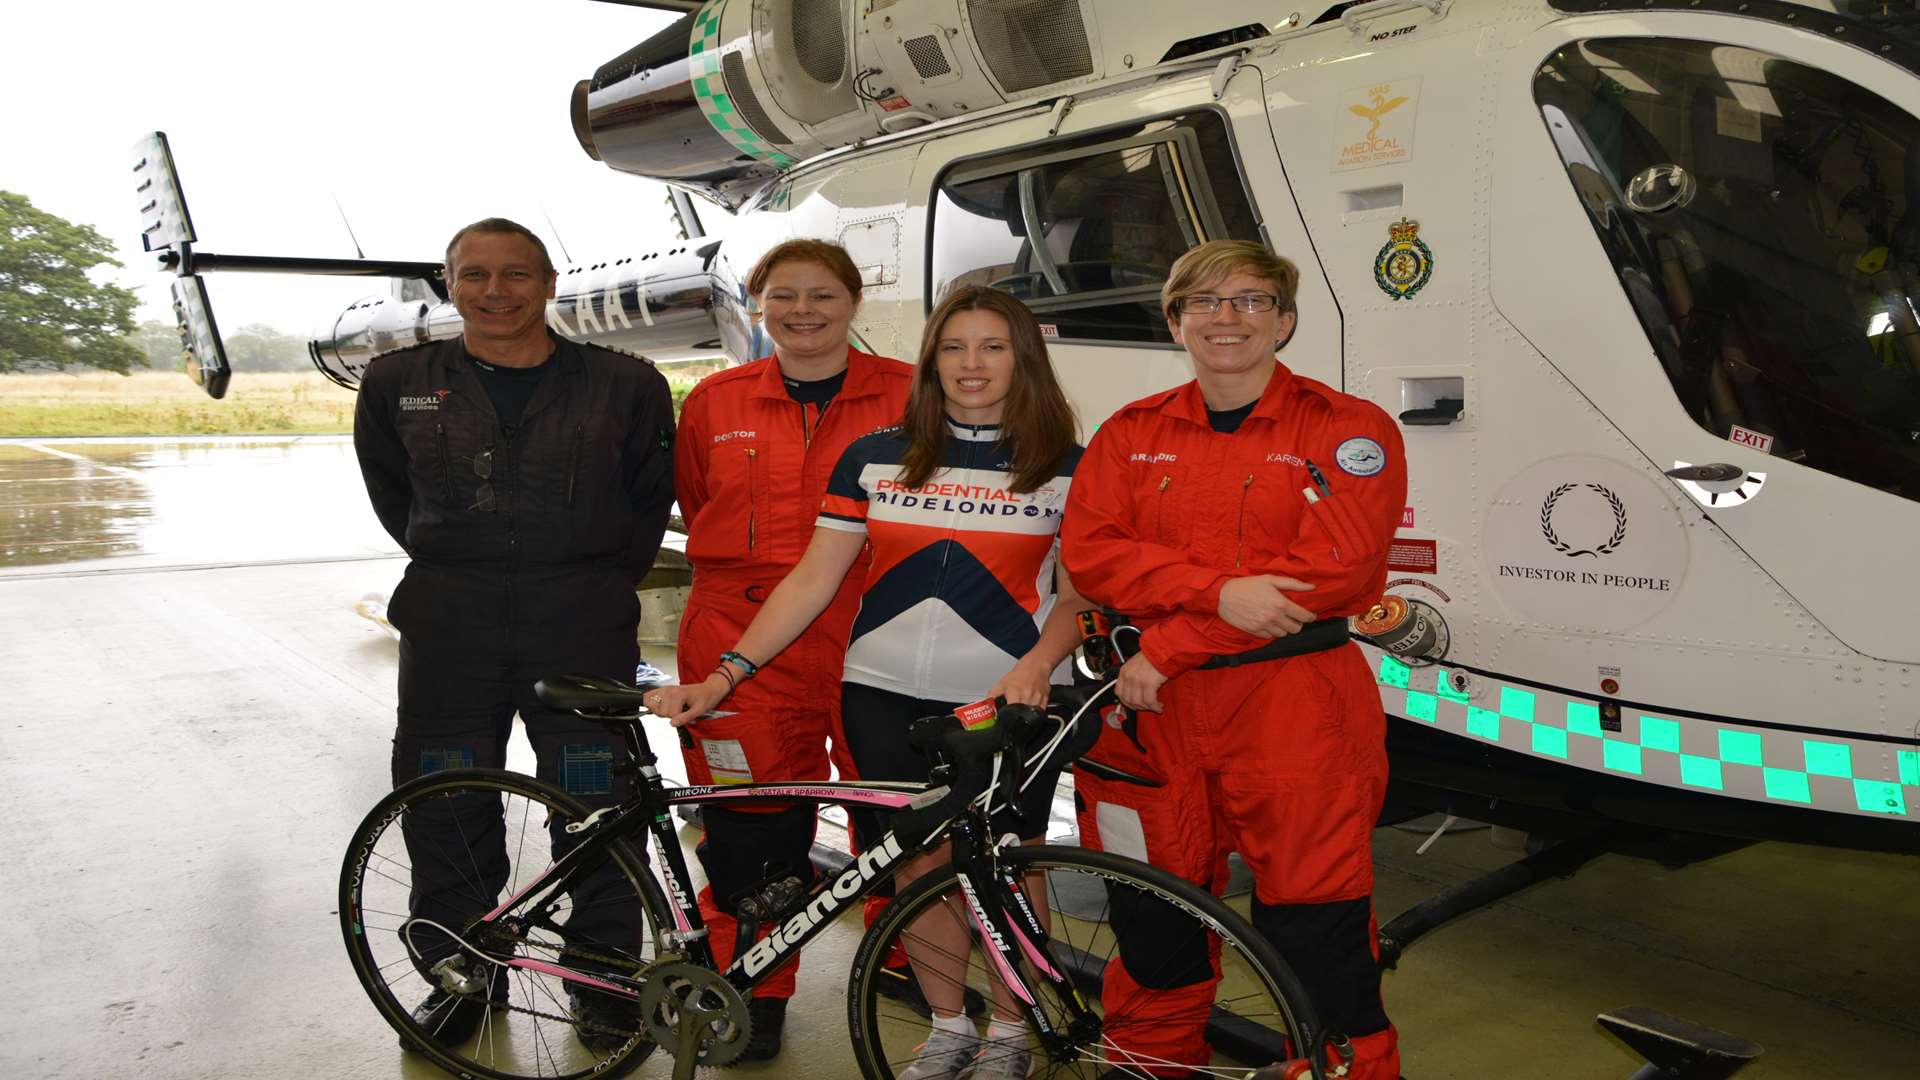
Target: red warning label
1414, 556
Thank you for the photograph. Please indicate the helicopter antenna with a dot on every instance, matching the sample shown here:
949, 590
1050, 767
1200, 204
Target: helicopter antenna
556, 233
357, 253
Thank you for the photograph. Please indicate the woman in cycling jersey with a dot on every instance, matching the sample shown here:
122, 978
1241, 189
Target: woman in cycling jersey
963, 598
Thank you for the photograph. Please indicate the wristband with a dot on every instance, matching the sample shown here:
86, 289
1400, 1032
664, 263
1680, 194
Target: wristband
748, 668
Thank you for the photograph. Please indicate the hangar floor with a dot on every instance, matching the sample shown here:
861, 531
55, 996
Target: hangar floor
199, 718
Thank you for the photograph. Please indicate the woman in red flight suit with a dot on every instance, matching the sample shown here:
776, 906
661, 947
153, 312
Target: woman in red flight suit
1225, 517
755, 448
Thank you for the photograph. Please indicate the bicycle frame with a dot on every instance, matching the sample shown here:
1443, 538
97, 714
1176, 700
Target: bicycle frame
1004, 921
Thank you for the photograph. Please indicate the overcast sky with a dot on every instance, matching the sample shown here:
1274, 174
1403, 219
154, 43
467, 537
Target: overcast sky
419, 115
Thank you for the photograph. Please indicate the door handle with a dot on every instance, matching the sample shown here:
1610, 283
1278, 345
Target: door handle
1443, 411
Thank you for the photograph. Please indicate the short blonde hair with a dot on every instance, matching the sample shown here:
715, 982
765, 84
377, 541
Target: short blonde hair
1216, 260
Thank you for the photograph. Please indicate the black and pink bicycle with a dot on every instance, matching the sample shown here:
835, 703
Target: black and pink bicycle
502, 894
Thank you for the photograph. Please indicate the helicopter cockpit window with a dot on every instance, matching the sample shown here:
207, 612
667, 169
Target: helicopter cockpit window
1084, 234
1762, 217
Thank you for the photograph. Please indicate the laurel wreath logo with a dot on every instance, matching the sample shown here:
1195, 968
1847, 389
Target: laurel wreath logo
1564, 548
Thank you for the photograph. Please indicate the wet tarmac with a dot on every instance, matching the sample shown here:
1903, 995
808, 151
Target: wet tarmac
88, 504
197, 718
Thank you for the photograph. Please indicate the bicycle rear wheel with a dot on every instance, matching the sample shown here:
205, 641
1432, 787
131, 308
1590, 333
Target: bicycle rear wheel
1198, 993
440, 852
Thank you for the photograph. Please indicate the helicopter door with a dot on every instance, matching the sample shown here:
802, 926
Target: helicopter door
1718, 243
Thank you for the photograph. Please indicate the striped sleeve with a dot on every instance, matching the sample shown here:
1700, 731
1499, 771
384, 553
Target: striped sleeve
844, 506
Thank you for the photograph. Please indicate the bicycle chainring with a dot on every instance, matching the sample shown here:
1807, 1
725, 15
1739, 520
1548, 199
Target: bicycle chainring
692, 1010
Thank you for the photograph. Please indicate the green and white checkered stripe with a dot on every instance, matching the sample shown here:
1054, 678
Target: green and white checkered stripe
710, 90
1850, 775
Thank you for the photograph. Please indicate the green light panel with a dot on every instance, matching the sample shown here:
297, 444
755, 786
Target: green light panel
1622, 757
1740, 748
1659, 733
1829, 759
1422, 706
1787, 785
1516, 703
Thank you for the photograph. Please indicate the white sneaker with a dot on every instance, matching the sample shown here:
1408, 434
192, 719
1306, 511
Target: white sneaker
1006, 1059
941, 1057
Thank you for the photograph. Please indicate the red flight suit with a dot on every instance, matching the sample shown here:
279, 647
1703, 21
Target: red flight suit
1285, 760
750, 468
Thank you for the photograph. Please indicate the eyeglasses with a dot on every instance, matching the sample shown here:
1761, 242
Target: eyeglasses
1248, 303
483, 468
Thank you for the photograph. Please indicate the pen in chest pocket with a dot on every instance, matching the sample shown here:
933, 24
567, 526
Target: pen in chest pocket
1319, 481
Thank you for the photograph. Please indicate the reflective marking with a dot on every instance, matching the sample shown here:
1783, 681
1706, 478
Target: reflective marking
1829, 759
1880, 797
1740, 748
1516, 703
1701, 772
1583, 718
1658, 733
1622, 757
1422, 706
1789, 785
1550, 741
1734, 768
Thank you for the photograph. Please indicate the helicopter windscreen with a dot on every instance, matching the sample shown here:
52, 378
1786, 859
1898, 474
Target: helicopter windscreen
1760, 214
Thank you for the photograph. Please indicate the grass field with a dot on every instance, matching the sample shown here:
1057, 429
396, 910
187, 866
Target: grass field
166, 403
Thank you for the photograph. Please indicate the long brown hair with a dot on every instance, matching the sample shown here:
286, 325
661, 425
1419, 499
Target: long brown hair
1036, 426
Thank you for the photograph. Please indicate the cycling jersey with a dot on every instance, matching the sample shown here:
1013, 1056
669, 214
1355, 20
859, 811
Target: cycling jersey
962, 574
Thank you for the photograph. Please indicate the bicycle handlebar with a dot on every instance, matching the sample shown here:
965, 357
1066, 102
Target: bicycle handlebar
971, 755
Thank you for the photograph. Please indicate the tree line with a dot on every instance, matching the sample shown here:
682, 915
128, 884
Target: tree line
54, 316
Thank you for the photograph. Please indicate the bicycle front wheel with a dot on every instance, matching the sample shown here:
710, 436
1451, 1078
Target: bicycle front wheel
441, 852
1167, 980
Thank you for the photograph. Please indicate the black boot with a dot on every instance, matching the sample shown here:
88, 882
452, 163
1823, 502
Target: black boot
447, 1019
769, 1016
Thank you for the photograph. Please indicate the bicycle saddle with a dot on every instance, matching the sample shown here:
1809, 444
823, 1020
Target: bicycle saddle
590, 692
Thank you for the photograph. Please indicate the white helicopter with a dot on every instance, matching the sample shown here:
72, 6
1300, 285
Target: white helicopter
1637, 279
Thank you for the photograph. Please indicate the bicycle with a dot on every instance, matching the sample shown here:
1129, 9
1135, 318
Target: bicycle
531, 941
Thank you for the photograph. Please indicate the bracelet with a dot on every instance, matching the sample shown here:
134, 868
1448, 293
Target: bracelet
731, 682
748, 668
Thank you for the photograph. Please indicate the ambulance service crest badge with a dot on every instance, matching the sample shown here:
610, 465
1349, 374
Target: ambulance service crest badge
1405, 263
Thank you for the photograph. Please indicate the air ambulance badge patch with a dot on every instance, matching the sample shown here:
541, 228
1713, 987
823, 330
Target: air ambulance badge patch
1405, 263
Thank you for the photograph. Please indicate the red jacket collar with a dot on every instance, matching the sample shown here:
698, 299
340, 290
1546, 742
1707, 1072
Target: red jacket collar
1187, 404
863, 378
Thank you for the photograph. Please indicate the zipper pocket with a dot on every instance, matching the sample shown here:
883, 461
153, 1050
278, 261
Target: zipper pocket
573, 462
446, 468
1160, 508
752, 456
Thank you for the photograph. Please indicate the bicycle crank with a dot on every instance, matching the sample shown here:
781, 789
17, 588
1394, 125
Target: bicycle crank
696, 1014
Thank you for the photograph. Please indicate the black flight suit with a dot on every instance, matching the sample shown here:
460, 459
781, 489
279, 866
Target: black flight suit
526, 544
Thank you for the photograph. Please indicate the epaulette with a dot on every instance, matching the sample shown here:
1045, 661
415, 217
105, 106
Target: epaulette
618, 352
404, 349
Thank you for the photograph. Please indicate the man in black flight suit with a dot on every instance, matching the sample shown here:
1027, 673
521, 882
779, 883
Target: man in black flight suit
529, 479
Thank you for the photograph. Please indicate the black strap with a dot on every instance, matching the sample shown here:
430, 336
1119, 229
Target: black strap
1317, 636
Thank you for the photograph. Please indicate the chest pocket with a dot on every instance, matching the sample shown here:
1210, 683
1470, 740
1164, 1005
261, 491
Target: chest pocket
737, 480
1163, 494
1268, 509
441, 446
